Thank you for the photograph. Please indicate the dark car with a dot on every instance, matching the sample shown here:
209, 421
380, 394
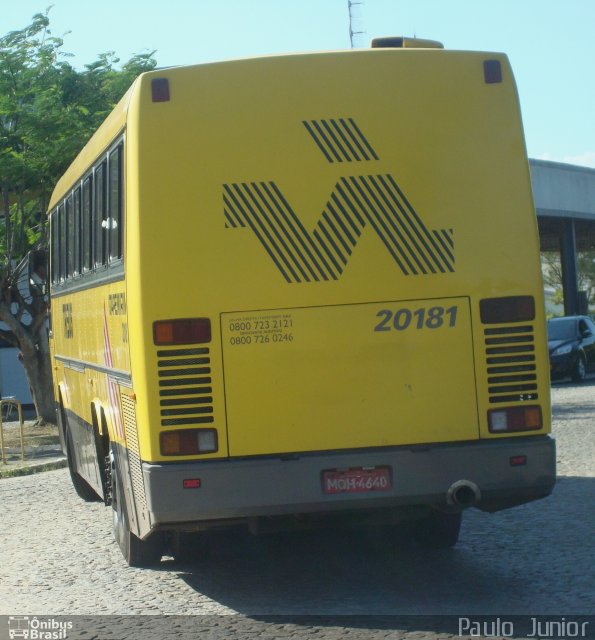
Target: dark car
571, 342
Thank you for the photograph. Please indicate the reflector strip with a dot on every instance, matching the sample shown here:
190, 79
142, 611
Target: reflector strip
191, 483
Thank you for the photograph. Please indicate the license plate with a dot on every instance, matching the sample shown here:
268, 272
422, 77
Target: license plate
361, 480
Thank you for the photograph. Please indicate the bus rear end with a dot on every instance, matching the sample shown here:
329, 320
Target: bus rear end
334, 292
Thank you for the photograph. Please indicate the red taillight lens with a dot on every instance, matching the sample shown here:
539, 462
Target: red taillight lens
512, 309
182, 331
515, 419
188, 442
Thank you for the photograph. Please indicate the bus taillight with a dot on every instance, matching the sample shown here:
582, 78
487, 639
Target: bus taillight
182, 331
510, 309
512, 419
188, 442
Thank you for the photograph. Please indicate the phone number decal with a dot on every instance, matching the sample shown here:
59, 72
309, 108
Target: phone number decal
416, 319
261, 330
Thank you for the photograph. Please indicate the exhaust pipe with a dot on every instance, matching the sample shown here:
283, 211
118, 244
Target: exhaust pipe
463, 493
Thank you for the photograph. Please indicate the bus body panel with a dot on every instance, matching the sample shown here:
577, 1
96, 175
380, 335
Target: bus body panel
359, 375
280, 222
90, 344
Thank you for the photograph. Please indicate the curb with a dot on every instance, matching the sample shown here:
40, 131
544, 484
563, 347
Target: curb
35, 450
34, 468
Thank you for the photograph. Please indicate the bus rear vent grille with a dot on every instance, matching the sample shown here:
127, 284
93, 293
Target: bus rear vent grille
134, 463
510, 363
185, 391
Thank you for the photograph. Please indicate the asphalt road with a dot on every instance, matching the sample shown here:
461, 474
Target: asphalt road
58, 557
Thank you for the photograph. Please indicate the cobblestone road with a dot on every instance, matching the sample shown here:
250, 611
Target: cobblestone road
58, 556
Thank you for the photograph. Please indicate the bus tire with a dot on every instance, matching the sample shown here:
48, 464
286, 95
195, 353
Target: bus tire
81, 486
438, 530
136, 552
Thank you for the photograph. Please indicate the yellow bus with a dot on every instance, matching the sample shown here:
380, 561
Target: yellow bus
303, 288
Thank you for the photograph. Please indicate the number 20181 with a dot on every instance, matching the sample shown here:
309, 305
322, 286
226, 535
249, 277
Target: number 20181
402, 319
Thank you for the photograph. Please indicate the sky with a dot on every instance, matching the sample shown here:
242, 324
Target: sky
550, 43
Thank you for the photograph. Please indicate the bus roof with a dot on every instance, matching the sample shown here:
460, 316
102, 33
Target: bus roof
97, 144
116, 120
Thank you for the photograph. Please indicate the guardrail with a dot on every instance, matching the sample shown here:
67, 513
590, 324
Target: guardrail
11, 402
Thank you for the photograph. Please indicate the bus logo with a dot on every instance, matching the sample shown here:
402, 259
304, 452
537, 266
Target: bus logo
38, 628
18, 627
356, 202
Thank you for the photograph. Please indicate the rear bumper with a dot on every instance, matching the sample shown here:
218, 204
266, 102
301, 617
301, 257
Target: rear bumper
421, 475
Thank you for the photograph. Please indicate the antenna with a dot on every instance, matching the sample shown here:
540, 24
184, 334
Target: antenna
355, 20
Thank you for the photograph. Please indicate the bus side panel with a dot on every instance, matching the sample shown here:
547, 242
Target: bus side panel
87, 460
128, 457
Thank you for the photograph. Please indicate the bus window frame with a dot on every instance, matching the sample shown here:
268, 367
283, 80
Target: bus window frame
54, 256
87, 222
115, 233
70, 231
77, 215
62, 242
100, 235
89, 199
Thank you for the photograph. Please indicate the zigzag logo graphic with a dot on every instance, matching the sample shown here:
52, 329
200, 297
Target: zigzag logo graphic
355, 202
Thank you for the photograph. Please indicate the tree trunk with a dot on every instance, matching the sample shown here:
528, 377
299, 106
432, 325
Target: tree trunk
36, 360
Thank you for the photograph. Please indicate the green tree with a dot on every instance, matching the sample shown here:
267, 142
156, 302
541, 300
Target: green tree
585, 268
48, 110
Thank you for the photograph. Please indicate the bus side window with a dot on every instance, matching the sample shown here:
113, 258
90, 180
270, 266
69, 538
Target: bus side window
87, 231
70, 241
63, 242
77, 232
115, 204
53, 245
100, 214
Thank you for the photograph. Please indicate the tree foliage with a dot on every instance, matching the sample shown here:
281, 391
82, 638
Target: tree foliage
48, 110
585, 267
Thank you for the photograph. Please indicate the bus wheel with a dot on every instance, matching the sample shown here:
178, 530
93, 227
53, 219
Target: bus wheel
81, 486
136, 552
438, 530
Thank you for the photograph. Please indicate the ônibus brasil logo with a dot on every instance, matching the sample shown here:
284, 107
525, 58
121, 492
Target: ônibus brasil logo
34, 628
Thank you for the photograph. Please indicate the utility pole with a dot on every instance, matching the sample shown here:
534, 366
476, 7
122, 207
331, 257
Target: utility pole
355, 20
